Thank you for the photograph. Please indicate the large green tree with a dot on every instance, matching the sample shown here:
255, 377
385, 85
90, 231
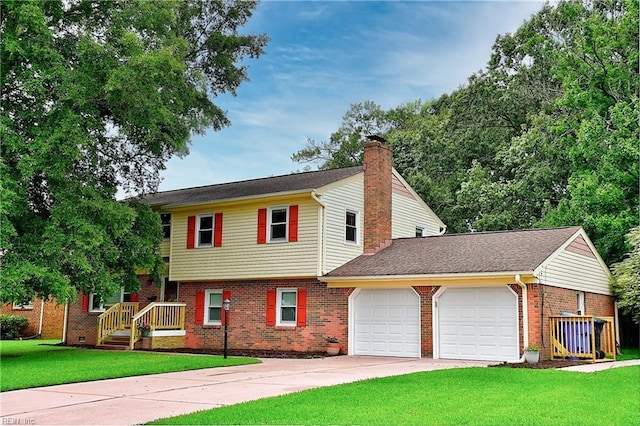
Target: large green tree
95, 96
626, 278
546, 135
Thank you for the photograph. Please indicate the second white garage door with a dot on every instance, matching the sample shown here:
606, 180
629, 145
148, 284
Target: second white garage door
478, 324
386, 322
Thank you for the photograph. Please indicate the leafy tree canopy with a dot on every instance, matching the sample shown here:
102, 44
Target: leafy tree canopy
98, 95
546, 135
626, 278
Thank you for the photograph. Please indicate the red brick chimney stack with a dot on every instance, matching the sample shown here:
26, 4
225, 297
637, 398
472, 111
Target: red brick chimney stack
377, 194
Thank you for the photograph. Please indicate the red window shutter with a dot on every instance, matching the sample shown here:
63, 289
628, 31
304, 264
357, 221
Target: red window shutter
85, 303
262, 226
293, 223
191, 232
302, 307
133, 297
226, 294
199, 307
217, 231
271, 307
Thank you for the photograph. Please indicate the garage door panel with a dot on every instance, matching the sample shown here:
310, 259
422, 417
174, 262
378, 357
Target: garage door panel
478, 323
393, 326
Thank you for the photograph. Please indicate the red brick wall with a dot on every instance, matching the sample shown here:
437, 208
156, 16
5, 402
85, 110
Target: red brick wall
426, 318
377, 195
545, 301
326, 316
52, 320
82, 326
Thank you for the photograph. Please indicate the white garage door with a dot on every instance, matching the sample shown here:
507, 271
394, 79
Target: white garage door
478, 324
386, 322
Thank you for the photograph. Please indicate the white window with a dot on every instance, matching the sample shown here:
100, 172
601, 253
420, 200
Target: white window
351, 227
277, 225
23, 305
205, 230
420, 231
213, 307
581, 310
287, 306
165, 219
100, 304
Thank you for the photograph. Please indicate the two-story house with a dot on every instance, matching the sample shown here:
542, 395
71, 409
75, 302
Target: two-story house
352, 253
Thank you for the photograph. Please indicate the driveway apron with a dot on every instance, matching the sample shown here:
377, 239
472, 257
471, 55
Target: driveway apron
136, 400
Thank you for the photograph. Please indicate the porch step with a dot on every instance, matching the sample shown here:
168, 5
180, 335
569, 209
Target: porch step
115, 343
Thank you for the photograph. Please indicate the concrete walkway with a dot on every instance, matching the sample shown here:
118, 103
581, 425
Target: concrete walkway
599, 366
136, 400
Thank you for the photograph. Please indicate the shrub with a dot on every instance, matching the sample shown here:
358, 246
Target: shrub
12, 326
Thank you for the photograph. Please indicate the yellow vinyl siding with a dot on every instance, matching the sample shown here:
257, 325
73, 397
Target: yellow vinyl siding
165, 248
337, 200
240, 256
409, 213
576, 272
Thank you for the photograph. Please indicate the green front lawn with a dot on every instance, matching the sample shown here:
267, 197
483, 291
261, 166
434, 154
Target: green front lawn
32, 363
480, 396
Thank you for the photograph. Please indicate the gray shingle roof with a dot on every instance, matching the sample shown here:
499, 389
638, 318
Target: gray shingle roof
254, 187
481, 252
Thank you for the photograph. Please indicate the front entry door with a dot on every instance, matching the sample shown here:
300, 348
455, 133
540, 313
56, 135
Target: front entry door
170, 291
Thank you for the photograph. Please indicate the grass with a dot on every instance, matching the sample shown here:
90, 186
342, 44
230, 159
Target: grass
33, 363
628, 353
470, 396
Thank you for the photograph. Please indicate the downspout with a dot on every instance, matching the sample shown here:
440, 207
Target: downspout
525, 314
41, 317
442, 230
65, 322
321, 223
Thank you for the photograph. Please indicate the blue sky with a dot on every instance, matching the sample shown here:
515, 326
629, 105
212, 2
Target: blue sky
326, 55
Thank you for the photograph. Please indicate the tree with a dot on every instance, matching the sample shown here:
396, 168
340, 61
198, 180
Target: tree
97, 95
626, 278
344, 147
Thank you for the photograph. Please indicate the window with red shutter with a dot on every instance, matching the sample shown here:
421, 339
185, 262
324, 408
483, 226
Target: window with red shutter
199, 307
191, 232
293, 223
271, 307
302, 307
262, 226
217, 236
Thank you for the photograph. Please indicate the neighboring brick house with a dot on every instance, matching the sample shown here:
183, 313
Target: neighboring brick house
283, 250
45, 318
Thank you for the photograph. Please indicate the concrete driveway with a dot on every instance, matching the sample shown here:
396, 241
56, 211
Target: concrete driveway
135, 400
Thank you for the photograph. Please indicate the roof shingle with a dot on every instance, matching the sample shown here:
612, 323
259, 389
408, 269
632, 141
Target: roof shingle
254, 187
481, 252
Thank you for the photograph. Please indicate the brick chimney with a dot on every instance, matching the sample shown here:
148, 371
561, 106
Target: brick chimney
377, 194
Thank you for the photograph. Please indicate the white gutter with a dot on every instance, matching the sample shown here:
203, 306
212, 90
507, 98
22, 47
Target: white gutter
442, 230
444, 277
525, 313
321, 223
